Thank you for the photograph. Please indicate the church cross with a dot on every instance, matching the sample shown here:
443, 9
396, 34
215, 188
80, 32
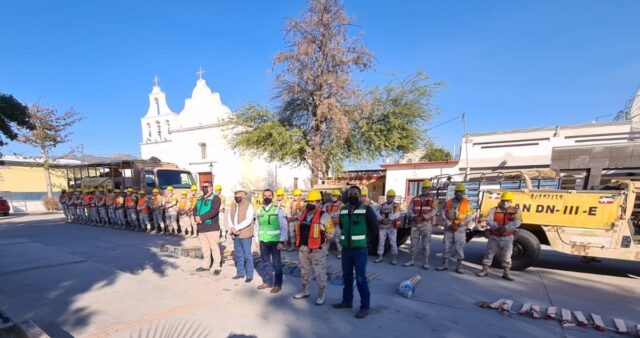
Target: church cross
200, 72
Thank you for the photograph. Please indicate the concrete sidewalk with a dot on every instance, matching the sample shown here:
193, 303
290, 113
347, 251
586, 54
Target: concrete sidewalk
84, 281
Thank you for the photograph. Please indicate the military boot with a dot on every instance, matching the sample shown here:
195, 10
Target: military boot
507, 274
459, 266
394, 260
409, 262
304, 294
378, 260
444, 266
484, 272
320, 299
426, 263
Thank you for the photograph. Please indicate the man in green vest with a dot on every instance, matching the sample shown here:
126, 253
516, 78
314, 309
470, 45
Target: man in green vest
357, 221
207, 216
272, 230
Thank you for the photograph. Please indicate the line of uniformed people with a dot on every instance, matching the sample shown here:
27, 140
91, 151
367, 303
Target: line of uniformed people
169, 214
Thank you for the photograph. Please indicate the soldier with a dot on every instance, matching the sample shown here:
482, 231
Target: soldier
77, 204
193, 199
223, 210
144, 208
86, 207
119, 207
388, 224
111, 211
157, 205
313, 226
280, 201
62, 199
131, 205
422, 210
184, 208
71, 206
295, 211
502, 222
457, 214
101, 206
333, 209
171, 211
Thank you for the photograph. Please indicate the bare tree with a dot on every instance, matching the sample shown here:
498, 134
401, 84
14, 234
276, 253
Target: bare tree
51, 129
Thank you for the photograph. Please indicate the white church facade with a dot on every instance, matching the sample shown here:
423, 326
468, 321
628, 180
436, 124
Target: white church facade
196, 139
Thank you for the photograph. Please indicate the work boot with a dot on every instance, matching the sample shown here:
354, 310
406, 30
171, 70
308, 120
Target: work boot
339, 256
378, 260
320, 299
426, 263
459, 266
409, 262
484, 272
304, 294
362, 313
444, 266
394, 261
507, 274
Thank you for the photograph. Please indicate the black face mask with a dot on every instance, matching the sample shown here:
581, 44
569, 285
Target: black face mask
354, 200
311, 207
205, 190
238, 199
267, 201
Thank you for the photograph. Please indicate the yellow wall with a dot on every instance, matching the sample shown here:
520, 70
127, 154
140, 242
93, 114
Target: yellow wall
29, 179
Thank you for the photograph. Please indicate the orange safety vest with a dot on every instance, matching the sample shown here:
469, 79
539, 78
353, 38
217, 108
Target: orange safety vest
316, 235
333, 208
457, 216
503, 217
86, 200
109, 200
142, 205
118, 202
296, 207
182, 204
129, 203
422, 205
99, 200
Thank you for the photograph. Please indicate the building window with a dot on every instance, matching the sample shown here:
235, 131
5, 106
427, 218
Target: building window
155, 99
203, 150
159, 129
149, 129
168, 125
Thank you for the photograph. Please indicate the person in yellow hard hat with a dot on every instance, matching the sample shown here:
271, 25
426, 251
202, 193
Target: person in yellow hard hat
333, 209
502, 221
280, 200
62, 199
184, 210
422, 210
111, 211
388, 224
314, 226
157, 206
131, 205
171, 211
364, 198
457, 213
295, 210
101, 205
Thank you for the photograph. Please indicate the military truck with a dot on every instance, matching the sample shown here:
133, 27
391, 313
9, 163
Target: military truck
601, 223
137, 174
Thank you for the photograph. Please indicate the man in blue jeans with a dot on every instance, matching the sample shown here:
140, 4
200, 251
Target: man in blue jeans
272, 231
240, 224
357, 222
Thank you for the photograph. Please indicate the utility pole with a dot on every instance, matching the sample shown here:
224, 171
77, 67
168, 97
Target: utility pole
466, 143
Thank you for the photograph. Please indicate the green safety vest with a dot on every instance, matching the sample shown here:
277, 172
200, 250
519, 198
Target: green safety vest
269, 224
203, 206
354, 227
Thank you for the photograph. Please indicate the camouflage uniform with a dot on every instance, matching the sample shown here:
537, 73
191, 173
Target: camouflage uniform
171, 213
131, 203
144, 207
119, 205
422, 227
101, 204
157, 205
295, 211
456, 214
316, 260
386, 213
111, 211
184, 211
503, 245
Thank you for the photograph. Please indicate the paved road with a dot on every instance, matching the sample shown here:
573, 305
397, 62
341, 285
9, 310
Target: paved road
83, 281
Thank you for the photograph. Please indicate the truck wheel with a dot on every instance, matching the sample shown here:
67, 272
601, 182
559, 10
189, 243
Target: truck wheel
526, 250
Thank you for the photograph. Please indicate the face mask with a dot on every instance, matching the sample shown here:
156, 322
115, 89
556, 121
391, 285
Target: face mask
458, 195
390, 200
506, 204
238, 199
353, 200
205, 190
334, 199
311, 207
425, 192
266, 201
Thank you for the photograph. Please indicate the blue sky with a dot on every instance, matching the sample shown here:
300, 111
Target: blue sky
507, 64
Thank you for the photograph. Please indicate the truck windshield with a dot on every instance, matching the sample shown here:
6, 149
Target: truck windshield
175, 178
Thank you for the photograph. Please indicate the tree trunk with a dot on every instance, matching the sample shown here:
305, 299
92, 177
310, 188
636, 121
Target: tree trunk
47, 174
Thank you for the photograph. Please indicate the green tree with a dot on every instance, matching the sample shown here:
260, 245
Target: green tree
13, 115
51, 129
321, 117
436, 153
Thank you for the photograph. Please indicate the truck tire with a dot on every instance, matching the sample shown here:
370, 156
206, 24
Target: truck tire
526, 250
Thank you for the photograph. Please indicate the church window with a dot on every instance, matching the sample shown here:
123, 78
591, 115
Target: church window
149, 129
155, 99
203, 150
168, 125
159, 129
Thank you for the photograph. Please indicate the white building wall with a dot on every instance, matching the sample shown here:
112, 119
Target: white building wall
398, 179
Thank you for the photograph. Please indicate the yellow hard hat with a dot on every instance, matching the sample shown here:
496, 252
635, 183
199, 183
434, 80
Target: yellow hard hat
183, 192
117, 190
218, 187
170, 188
314, 196
391, 193
194, 188
506, 196
335, 192
460, 187
129, 190
426, 184
297, 192
280, 192
141, 192
364, 191
155, 190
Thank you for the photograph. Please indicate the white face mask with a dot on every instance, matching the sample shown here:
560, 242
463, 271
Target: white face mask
506, 204
334, 199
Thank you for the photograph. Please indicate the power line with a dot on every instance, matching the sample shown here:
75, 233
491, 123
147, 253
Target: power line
461, 116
